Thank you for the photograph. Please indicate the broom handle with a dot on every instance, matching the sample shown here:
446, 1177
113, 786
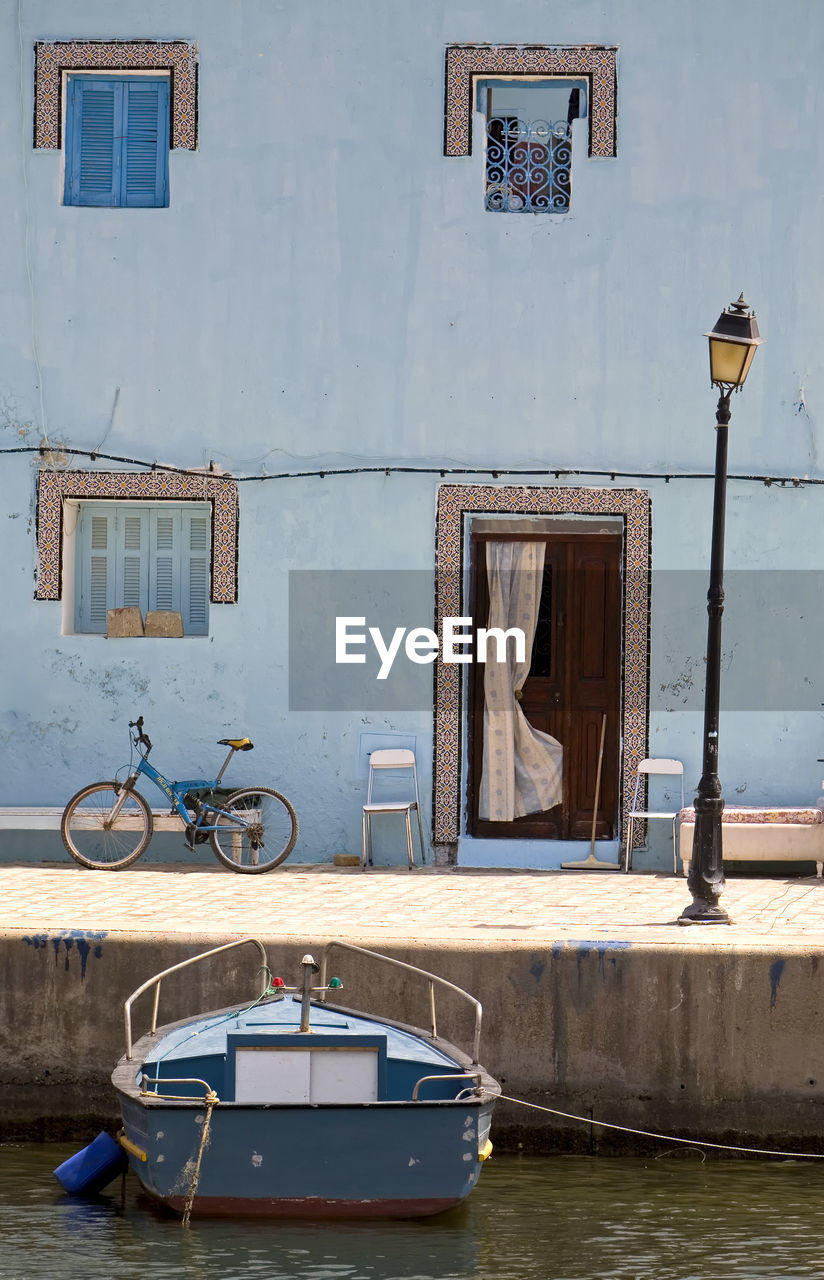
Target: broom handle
598, 784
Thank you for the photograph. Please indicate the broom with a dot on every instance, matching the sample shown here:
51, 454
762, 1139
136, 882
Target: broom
591, 861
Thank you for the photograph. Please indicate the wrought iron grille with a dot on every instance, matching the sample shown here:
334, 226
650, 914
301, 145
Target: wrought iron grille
527, 165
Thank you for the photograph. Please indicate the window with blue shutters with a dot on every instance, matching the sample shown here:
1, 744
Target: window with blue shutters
154, 557
117, 141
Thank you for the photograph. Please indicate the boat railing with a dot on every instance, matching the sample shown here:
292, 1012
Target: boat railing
177, 1097
452, 1076
184, 964
432, 979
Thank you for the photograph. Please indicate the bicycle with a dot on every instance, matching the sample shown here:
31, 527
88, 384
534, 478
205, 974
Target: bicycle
108, 825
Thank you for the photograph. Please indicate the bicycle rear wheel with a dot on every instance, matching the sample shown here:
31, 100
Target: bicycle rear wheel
264, 835
98, 843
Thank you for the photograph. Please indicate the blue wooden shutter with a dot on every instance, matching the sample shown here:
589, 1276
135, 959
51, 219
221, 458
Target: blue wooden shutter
144, 556
96, 564
195, 573
145, 145
117, 141
164, 570
132, 559
93, 123
179, 565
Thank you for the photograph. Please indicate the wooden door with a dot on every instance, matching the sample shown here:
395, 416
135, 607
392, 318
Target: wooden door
574, 680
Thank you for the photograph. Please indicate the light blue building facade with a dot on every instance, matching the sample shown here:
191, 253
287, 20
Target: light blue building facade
309, 352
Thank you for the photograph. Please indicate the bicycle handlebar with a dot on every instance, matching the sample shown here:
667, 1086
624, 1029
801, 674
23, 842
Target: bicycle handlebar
140, 739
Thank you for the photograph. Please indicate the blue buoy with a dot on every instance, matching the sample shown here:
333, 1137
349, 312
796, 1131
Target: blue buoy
93, 1168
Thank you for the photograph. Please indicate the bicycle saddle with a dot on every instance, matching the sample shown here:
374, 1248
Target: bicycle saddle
237, 744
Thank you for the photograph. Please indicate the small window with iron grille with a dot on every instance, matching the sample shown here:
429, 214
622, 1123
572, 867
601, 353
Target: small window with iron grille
529, 143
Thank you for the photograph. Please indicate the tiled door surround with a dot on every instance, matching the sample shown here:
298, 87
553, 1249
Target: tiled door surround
455, 503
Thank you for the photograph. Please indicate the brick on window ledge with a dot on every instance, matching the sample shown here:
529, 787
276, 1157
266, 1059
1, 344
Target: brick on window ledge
164, 623
124, 622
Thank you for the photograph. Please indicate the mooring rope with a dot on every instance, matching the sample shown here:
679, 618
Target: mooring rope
664, 1137
211, 1099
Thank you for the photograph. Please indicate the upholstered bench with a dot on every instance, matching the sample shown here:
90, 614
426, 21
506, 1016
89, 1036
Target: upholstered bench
762, 835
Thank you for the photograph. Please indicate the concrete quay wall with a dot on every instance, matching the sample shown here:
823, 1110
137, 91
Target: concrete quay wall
702, 1041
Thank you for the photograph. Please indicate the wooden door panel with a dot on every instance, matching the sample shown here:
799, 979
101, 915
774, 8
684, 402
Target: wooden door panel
591, 608
574, 680
593, 683
586, 740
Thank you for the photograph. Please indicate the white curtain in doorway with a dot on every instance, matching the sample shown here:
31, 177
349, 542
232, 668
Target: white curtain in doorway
522, 767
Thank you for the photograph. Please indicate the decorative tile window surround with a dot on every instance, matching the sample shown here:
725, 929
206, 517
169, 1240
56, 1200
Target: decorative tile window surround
455, 503
52, 58
467, 62
55, 486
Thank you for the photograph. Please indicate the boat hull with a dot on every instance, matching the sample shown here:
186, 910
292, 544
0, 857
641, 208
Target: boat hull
358, 1160
311, 1207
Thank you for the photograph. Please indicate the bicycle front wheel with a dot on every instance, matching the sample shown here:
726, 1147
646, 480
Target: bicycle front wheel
262, 837
97, 840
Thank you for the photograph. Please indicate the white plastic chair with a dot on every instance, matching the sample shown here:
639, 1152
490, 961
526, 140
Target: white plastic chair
393, 758
647, 768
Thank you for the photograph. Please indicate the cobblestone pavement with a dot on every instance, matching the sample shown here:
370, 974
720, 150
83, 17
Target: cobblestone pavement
432, 904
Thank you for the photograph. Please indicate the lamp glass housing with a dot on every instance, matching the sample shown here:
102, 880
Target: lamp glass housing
730, 361
732, 345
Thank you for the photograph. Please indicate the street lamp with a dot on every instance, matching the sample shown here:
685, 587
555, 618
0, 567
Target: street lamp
732, 347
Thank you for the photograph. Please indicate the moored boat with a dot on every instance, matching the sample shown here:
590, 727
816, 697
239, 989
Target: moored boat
289, 1105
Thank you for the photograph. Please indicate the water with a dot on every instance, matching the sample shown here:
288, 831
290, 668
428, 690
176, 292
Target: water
551, 1218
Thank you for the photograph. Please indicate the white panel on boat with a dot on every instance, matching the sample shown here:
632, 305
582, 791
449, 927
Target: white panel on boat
272, 1075
344, 1075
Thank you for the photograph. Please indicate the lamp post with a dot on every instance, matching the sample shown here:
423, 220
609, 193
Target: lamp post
732, 346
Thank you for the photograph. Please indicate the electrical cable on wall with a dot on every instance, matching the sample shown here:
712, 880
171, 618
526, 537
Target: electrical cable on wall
797, 482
